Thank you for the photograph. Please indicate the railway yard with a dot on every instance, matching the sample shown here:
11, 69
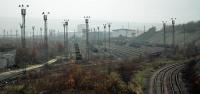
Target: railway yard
166, 80
161, 78
93, 55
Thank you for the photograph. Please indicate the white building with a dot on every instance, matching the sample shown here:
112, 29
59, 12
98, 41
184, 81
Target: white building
123, 32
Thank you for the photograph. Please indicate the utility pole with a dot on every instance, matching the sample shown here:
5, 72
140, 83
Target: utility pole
66, 44
23, 13
109, 26
46, 33
87, 37
173, 32
164, 35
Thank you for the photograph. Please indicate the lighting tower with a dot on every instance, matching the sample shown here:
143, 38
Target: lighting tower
104, 26
95, 40
87, 37
173, 32
45, 32
58, 33
184, 31
91, 40
22, 37
66, 42
23, 13
16, 37
98, 38
33, 28
164, 35
7, 36
4, 34
41, 33
10, 35
109, 26
74, 35
137, 32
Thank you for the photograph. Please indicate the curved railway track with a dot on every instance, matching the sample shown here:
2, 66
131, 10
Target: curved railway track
167, 80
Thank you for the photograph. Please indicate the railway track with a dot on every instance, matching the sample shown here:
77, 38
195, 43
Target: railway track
9, 77
167, 80
175, 78
120, 51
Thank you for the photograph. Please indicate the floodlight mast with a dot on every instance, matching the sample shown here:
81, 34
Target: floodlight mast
23, 13
16, 34
98, 38
66, 42
74, 35
10, 35
4, 34
95, 36
41, 35
91, 40
45, 15
164, 34
33, 36
7, 34
21, 27
16, 38
87, 37
173, 32
184, 31
104, 26
109, 26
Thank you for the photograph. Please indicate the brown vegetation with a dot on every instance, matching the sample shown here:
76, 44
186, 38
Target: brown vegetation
76, 79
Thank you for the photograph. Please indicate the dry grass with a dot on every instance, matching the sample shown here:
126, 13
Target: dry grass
100, 78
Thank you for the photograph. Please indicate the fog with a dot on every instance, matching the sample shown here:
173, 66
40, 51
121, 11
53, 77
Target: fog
118, 12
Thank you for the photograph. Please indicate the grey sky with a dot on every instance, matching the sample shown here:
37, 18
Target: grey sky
149, 11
